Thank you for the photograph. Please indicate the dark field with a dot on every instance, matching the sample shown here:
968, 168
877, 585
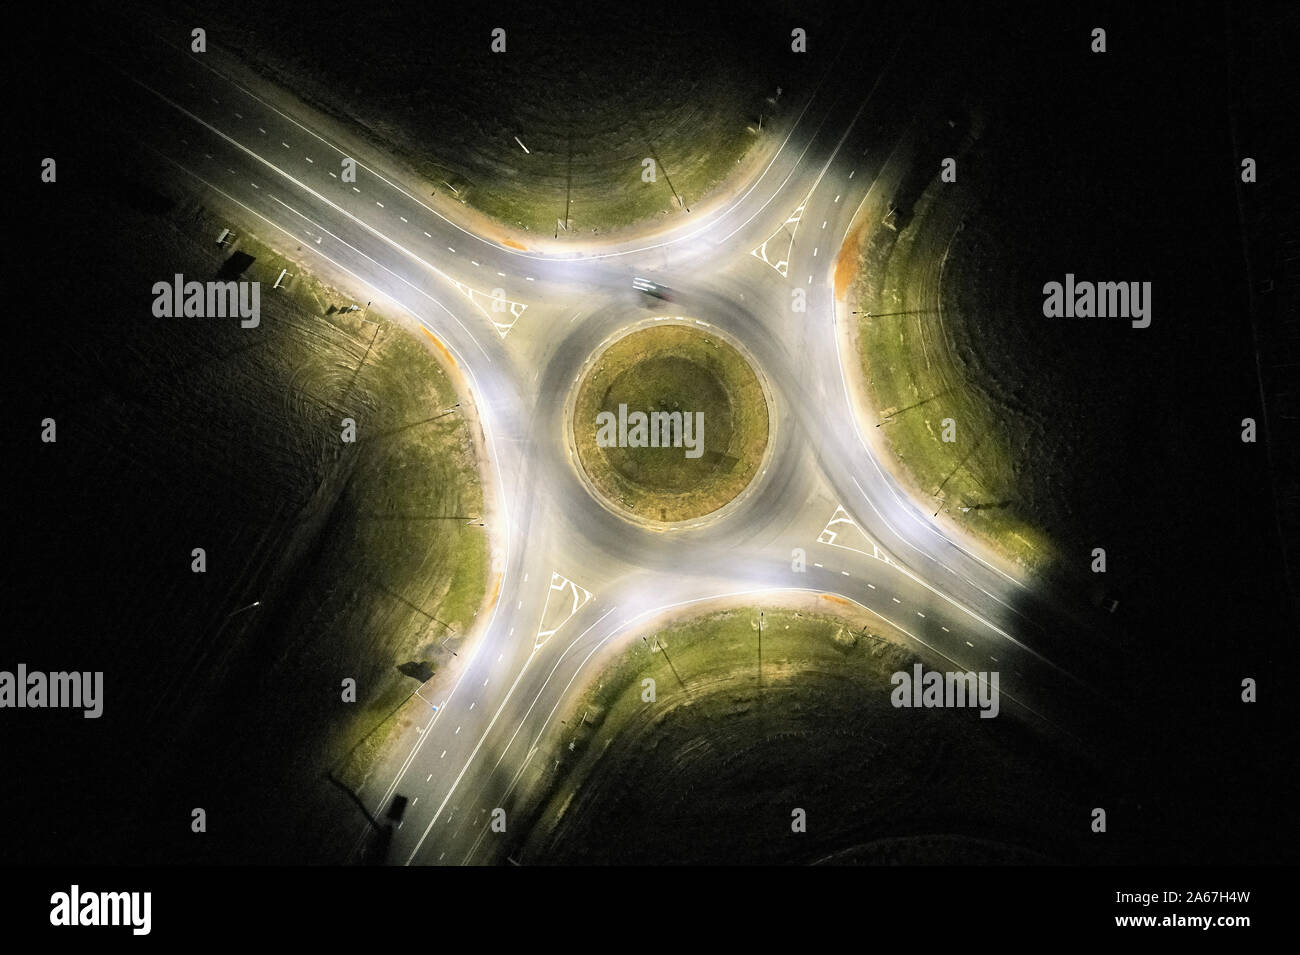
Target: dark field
591, 89
710, 772
184, 433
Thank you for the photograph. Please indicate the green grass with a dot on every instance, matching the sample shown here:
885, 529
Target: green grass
711, 770
673, 368
918, 378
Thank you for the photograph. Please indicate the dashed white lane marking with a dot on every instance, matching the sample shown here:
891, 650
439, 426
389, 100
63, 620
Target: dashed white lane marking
255, 185
427, 235
471, 706
403, 218
851, 174
944, 629
872, 586
261, 130
895, 600
472, 262
450, 249
378, 203
310, 160
485, 682
969, 644
334, 174
355, 189
824, 224
919, 614
285, 145
844, 572
816, 565
444, 753
457, 731
837, 198
528, 278
427, 778
239, 116
814, 253
415, 800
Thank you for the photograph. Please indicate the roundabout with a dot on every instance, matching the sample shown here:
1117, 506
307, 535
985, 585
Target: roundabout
669, 424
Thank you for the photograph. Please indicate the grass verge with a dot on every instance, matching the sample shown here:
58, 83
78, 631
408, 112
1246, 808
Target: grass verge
673, 369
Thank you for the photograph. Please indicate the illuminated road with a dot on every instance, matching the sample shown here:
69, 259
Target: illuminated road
575, 577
